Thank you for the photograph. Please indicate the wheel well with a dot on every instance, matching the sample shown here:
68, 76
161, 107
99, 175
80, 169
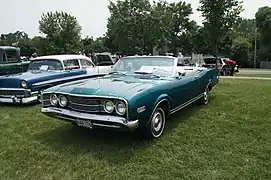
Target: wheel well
165, 106
210, 86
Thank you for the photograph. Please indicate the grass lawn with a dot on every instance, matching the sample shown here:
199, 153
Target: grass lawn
257, 69
253, 75
227, 139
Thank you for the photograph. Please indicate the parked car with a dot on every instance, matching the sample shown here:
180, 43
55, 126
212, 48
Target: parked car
45, 72
103, 59
223, 66
139, 93
10, 61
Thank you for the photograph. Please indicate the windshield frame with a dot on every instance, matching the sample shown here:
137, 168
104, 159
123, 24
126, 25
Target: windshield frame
171, 73
45, 59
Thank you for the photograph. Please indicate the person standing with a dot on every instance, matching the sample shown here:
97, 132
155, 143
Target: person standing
232, 64
181, 59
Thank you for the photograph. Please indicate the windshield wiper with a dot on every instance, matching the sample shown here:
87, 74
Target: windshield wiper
117, 72
146, 73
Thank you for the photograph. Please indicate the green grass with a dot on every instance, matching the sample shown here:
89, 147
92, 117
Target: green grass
227, 139
257, 69
253, 75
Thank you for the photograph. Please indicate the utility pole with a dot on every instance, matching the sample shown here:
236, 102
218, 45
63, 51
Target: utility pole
255, 48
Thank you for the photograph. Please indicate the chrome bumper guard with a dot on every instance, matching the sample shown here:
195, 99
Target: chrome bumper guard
19, 100
104, 121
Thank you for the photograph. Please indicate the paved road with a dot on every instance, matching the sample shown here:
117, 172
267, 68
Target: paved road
239, 77
254, 71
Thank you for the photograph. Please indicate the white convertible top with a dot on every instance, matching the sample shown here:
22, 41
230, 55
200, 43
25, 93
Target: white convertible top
62, 57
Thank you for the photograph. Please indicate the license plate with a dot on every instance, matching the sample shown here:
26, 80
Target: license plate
86, 124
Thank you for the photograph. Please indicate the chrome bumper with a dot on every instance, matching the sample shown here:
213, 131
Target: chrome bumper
104, 121
19, 100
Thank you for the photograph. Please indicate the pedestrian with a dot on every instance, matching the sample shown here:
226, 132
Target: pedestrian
232, 64
181, 59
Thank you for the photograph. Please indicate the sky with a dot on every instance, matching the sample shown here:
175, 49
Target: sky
92, 15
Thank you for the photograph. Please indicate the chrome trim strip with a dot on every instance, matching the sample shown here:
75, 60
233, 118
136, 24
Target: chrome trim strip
73, 115
106, 126
186, 104
92, 96
66, 78
15, 89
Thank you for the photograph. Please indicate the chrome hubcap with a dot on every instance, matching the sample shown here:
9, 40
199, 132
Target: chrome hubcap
157, 121
206, 95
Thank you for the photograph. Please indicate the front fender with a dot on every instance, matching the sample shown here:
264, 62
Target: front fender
148, 103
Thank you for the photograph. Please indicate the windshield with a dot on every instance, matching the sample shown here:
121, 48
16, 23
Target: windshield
12, 55
45, 65
104, 60
211, 61
161, 66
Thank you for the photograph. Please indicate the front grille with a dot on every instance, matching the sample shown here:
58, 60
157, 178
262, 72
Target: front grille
17, 93
82, 104
46, 100
85, 104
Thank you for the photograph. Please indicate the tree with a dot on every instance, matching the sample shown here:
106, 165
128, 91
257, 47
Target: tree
263, 23
219, 18
19, 39
240, 51
127, 25
200, 41
14, 38
136, 26
245, 28
181, 26
62, 30
90, 45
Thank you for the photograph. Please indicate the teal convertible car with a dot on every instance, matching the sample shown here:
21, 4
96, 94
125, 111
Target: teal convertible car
139, 93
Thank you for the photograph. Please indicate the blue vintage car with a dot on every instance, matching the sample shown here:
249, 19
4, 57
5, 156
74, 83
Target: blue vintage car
44, 72
139, 93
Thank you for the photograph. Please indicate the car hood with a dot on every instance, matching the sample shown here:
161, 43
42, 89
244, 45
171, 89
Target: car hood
13, 80
125, 86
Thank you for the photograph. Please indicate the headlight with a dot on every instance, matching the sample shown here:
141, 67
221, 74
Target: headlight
109, 106
24, 84
120, 108
53, 100
63, 101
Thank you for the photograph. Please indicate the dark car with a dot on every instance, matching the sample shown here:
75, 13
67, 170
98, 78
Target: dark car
10, 61
223, 66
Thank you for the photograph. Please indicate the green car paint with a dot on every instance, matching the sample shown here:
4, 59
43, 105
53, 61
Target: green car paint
10, 62
143, 93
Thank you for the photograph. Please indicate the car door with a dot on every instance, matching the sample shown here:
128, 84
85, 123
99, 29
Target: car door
73, 68
13, 63
184, 90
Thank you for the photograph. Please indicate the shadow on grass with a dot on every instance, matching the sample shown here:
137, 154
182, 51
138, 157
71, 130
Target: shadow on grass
10, 105
114, 146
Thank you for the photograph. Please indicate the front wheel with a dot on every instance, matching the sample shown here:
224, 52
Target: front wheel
156, 125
